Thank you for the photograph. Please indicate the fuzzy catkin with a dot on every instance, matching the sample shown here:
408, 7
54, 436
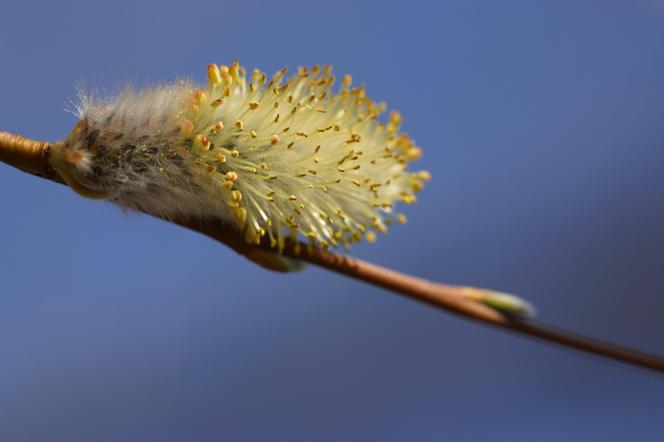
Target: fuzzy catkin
279, 158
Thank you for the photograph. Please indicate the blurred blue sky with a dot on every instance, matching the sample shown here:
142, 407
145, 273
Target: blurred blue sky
543, 127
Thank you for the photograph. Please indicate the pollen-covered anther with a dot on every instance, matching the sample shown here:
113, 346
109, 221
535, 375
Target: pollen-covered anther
414, 153
424, 176
234, 70
199, 97
409, 199
231, 176
394, 122
218, 127
235, 153
236, 196
201, 142
213, 74
221, 158
417, 185
240, 215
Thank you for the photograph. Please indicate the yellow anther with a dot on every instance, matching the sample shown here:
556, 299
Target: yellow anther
234, 69
254, 104
241, 214
239, 124
199, 97
220, 158
402, 219
274, 139
424, 175
417, 186
292, 197
213, 74
236, 196
253, 134
235, 153
201, 142
231, 176
218, 126
414, 153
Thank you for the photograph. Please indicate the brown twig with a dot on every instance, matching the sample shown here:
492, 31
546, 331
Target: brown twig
31, 156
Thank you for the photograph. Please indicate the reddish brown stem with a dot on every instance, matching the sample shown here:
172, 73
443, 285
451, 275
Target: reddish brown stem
31, 156
450, 298
23, 153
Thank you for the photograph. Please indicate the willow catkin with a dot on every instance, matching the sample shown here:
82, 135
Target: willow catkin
279, 158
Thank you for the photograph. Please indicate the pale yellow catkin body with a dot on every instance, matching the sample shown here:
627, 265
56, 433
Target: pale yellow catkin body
283, 158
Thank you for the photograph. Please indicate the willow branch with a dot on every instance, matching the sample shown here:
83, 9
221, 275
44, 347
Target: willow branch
469, 302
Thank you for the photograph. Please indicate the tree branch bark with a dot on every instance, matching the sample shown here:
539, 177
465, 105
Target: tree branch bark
469, 302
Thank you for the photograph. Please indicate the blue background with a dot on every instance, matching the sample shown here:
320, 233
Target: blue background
543, 127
